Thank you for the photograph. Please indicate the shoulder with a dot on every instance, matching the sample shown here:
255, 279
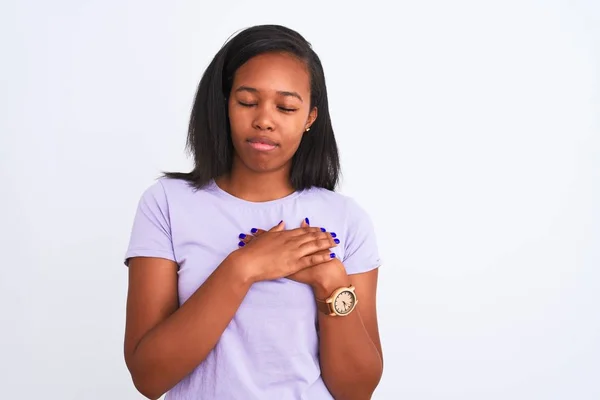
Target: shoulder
173, 187
341, 202
166, 189
354, 226
326, 195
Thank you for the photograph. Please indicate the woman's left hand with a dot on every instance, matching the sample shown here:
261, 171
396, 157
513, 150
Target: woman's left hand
318, 276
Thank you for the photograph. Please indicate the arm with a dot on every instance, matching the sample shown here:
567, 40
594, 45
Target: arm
350, 348
164, 343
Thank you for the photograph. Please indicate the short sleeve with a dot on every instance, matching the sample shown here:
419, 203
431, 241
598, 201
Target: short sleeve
151, 231
361, 253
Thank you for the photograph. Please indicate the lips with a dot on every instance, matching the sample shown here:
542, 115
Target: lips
262, 140
262, 143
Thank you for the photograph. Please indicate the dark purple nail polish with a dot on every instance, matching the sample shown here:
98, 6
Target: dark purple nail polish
323, 230
241, 244
333, 234
242, 236
307, 221
336, 241
253, 230
332, 255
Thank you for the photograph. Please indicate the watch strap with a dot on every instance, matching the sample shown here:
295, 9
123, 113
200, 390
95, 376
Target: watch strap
324, 307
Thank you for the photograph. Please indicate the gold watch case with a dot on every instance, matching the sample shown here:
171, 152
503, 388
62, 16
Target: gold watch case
341, 302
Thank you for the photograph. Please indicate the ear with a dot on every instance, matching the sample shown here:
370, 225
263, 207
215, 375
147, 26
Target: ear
312, 116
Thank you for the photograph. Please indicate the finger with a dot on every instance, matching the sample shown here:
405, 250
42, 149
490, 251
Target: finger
305, 226
317, 258
306, 223
315, 246
244, 239
302, 231
319, 235
247, 239
277, 228
259, 232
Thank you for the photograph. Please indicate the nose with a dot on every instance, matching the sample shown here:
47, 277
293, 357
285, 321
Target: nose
263, 120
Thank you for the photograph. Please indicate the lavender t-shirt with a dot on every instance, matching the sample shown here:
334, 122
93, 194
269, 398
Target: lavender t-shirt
270, 348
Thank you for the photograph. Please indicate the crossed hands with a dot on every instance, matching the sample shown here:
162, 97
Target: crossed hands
303, 254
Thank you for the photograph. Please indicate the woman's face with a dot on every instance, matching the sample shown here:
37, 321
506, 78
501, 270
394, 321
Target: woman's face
269, 111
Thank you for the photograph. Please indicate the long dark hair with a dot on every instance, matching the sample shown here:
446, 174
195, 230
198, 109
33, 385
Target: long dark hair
315, 163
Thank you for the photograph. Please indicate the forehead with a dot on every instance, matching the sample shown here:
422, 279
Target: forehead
274, 72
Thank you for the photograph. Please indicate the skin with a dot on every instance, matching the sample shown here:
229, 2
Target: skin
361, 380
261, 104
270, 99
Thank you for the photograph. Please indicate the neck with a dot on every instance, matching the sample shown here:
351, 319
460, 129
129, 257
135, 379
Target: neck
256, 186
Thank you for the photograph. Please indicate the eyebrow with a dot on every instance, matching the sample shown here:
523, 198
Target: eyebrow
279, 92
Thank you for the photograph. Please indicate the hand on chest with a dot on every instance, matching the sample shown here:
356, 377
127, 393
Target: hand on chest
203, 246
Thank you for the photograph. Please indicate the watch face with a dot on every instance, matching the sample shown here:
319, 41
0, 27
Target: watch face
344, 302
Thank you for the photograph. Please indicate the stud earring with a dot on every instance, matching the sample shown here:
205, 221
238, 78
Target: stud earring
307, 129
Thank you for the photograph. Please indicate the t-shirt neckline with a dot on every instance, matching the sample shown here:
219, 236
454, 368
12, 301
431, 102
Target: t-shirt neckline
213, 187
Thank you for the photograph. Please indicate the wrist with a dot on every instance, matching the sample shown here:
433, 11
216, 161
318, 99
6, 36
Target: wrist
239, 269
325, 284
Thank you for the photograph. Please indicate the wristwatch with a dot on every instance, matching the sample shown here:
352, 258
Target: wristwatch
341, 303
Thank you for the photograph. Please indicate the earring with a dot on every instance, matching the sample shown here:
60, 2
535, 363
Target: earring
307, 129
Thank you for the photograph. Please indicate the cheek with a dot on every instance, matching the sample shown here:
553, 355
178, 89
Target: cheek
295, 129
236, 120
291, 144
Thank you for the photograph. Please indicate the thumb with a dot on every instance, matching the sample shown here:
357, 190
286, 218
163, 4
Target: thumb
278, 228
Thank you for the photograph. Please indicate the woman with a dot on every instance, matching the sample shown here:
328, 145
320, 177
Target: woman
249, 277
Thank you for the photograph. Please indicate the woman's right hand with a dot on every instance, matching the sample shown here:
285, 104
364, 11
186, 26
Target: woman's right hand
278, 253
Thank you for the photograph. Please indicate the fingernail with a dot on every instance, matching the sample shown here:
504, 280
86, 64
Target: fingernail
323, 230
337, 241
280, 222
242, 236
253, 230
307, 221
241, 244
332, 255
333, 234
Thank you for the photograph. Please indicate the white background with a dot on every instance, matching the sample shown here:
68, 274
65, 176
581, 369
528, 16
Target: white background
468, 129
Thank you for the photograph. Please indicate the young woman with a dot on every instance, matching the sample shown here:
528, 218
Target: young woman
249, 277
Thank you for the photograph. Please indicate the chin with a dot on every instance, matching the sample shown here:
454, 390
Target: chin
263, 166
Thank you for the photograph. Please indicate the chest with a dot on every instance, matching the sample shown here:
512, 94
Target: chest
204, 236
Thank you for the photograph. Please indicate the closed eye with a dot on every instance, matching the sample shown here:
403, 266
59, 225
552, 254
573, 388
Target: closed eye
284, 109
